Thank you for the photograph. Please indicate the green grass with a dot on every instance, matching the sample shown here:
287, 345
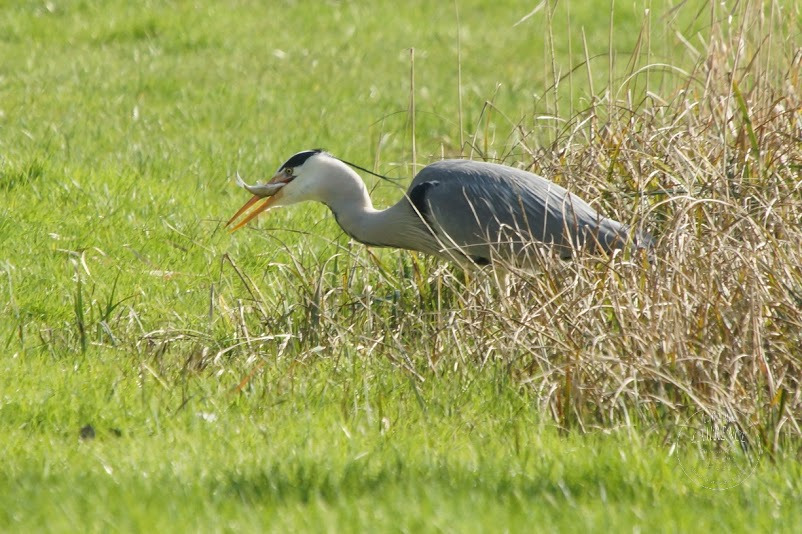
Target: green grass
354, 445
285, 378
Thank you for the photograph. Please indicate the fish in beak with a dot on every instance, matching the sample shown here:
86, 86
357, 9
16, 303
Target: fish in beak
269, 192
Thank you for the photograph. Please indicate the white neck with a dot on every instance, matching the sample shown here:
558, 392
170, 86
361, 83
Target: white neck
397, 226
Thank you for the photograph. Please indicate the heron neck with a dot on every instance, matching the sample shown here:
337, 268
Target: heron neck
395, 226
360, 220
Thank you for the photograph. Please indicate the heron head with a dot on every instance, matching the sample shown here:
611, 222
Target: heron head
298, 179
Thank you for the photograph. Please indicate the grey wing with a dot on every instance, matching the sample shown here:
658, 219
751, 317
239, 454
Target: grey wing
481, 210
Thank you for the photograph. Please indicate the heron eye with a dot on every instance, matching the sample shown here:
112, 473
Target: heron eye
288, 171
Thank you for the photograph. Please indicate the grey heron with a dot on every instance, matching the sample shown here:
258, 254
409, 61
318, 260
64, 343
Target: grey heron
467, 211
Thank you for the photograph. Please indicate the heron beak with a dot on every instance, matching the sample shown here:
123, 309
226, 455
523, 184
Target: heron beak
269, 192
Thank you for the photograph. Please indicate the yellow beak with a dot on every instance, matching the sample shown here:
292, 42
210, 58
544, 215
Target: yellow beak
269, 198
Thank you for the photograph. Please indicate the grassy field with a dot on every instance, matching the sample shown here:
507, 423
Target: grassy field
161, 373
